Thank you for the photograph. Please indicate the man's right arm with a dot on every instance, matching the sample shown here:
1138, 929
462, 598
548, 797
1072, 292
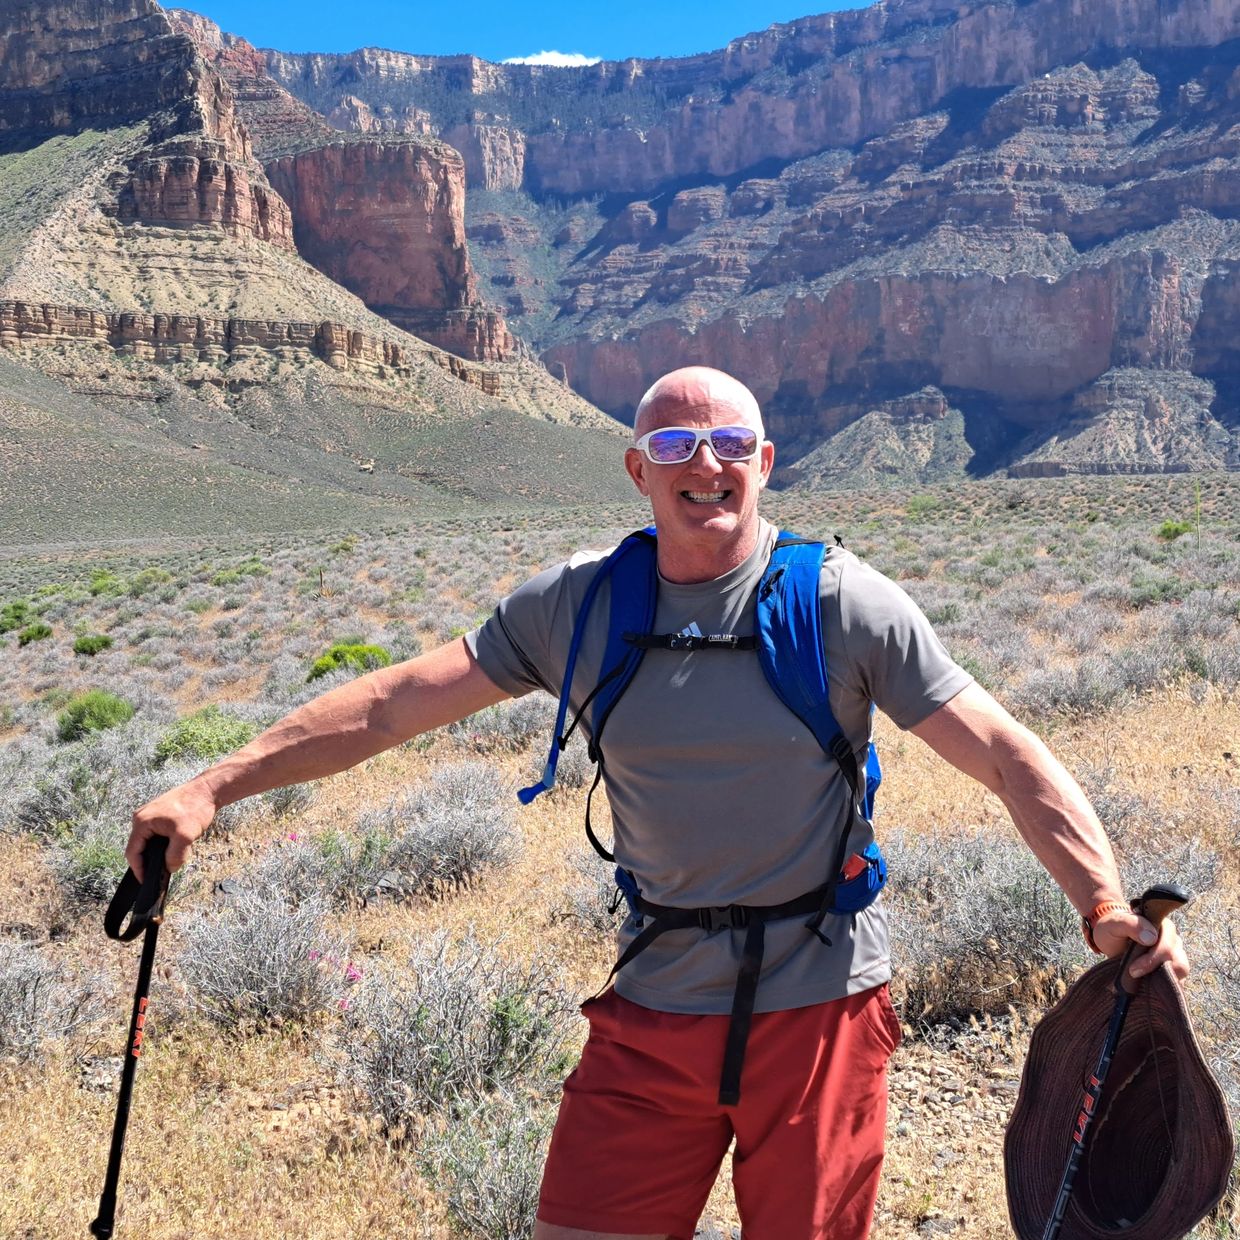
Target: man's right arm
333, 732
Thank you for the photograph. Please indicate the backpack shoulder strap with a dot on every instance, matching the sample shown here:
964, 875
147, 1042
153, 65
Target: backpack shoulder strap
631, 567
790, 639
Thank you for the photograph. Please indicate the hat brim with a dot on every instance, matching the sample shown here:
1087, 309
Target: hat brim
1160, 1150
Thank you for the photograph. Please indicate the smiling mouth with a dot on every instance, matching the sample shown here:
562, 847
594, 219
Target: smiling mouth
706, 497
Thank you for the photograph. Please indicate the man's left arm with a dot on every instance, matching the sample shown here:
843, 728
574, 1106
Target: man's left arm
977, 736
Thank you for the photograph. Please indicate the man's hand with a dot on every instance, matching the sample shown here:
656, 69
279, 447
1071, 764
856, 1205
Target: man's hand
1114, 931
181, 814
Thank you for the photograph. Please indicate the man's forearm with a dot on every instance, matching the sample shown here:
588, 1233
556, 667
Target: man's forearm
1055, 819
1050, 811
337, 730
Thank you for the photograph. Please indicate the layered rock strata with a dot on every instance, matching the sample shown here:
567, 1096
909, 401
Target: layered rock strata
1008, 201
387, 221
191, 339
72, 64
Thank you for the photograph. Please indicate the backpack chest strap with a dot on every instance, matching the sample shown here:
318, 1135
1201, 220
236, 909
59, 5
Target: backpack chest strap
691, 641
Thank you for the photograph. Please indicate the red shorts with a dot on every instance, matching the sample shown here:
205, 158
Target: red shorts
641, 1135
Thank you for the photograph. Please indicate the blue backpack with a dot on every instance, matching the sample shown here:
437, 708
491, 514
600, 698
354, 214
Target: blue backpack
790, 648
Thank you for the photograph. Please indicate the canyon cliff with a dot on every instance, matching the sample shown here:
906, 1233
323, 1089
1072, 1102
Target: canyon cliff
1031, 207
382, 215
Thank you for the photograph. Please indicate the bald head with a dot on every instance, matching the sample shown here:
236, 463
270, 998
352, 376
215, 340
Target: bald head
695, 389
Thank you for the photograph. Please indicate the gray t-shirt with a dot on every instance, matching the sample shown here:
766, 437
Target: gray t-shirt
719, 794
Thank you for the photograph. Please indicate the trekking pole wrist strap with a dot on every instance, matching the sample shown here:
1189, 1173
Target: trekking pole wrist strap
142, 901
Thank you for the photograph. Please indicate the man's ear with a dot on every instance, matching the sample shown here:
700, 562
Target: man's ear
635, 467
767, 457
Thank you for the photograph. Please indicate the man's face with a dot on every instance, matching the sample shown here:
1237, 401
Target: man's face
703, 502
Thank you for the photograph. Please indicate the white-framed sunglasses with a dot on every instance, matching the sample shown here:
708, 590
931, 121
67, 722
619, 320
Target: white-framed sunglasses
673, 445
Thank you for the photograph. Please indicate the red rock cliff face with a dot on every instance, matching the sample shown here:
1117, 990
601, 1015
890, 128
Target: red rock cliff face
785, 93
66, 64
386, 219
1010, 201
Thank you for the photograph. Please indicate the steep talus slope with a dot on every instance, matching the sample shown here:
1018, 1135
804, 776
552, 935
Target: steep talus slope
1030, 206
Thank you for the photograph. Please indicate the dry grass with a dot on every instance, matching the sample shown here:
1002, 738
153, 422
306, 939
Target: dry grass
254, 1135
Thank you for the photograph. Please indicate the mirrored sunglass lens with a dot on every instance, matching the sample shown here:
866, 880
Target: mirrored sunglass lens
667, 446
733, 443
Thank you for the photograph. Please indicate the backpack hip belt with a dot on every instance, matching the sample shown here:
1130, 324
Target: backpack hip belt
847, 895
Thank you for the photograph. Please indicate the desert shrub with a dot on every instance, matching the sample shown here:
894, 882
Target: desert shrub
291, 799
591, 898
91, 644
207, 734
89, 859
36, 632
338, 866
263, 959
92, 711
976, 925
105, 582
352, 656
456, 1024
41, 1001
1170, 530
15, 614
508, 726
1149, 589
447, 832
226, 577
148, 579
487, 1163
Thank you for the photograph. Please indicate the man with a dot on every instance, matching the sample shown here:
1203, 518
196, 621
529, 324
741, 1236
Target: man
719, 796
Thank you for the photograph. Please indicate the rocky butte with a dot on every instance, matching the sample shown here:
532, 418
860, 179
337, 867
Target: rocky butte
1030, 210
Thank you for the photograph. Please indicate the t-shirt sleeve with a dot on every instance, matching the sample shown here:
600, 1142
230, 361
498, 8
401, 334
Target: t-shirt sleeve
523, 645
893, 651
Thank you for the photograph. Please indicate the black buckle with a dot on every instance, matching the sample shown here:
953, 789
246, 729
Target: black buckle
725, 917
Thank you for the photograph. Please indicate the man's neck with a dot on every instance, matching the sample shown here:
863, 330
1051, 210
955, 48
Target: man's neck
692, 564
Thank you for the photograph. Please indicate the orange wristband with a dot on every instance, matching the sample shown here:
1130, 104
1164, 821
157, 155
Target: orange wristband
1099, 910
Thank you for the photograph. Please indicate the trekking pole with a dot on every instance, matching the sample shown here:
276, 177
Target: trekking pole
1154, 906
145, 903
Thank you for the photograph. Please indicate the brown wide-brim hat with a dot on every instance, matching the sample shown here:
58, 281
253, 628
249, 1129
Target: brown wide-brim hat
1159, 1152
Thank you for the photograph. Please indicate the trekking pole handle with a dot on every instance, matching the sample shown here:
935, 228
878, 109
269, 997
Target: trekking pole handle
144, 902
1154, 904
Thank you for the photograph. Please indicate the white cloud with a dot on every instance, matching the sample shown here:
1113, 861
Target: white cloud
563, 60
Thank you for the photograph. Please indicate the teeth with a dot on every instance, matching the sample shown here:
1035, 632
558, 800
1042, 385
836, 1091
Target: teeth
706, 497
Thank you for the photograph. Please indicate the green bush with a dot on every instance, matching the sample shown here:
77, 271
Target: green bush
350, 654
148, 579
226, 577
36, 632
13, 615
92, 644
1169, 531
92, 711
208, 734
105, 582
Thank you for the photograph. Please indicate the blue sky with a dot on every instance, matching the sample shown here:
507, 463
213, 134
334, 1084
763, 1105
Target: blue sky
500, 29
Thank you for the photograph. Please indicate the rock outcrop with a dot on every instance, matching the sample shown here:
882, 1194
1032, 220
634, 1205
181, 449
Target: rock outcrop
75, 64
386, 219
191, 339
